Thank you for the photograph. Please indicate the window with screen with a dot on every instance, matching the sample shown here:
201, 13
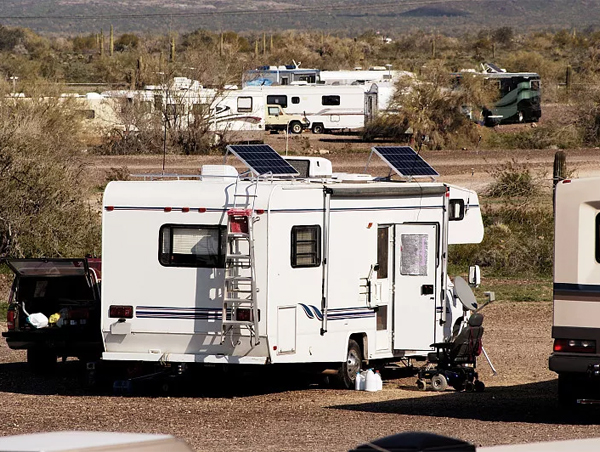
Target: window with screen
306, 246
277, 100
295, 100
244, 104
192, 246
330, 100
414, 251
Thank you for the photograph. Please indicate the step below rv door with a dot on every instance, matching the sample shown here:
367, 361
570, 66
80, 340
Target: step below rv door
415, 291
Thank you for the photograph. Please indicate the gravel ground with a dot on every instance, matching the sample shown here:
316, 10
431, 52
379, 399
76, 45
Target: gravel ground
275, 414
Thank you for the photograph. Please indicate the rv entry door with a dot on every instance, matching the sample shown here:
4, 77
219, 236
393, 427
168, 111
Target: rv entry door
415, 291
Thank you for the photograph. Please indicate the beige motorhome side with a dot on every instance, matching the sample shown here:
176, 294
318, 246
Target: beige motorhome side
277, 119
576, 317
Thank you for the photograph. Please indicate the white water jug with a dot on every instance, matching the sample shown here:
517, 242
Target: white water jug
370, 381
359, 383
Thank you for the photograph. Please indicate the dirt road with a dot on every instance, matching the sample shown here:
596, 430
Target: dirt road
469, 167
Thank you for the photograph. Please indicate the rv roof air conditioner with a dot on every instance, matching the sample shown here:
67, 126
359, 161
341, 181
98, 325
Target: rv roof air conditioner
218, 173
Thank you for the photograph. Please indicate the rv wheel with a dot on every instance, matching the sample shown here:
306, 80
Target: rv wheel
295, 127
347, 373
520, 116
439, 383
318, 128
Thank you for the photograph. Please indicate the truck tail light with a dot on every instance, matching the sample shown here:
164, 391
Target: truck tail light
10, 319
121, 312
574, 346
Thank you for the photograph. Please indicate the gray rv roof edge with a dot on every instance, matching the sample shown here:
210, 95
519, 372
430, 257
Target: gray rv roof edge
362, 191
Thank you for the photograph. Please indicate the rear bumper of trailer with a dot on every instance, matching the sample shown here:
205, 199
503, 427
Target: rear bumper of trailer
184, 358
572, 363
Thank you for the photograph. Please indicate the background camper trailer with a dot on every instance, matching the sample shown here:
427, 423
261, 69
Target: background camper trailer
576, 322
275, 268
326, 107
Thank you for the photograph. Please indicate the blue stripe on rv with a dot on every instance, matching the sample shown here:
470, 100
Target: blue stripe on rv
576, 289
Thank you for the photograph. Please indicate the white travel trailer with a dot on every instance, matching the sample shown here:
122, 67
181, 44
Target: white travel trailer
326, 107
576, 322
280, 269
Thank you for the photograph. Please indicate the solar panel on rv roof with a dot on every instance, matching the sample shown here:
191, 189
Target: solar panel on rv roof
262, 159
405, 161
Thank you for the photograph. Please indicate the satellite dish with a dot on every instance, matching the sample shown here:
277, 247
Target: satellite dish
463, 292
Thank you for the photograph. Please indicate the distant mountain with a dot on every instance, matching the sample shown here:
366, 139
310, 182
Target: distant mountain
354, 16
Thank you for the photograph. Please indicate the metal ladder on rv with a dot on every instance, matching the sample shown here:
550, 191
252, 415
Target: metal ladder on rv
240, 304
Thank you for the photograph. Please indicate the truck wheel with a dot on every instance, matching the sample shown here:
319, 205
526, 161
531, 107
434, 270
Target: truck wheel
41, 361
318, 128
346, 375
295, 127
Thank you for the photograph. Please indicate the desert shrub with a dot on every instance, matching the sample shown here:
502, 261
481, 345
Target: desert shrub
519, 240
386, 126
44, 207
513, 179
542, 137
518, 222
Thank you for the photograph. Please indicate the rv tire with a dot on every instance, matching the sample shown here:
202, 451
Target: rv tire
346, 375
295, 127
318, 128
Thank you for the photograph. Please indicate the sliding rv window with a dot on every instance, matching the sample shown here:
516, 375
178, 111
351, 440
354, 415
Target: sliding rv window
244, 104
277, 100
456, 210
306, 246
330, 100
192, 246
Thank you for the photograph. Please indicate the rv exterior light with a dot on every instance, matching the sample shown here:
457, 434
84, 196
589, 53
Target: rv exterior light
167, 209
185, 209
574, 346
260, 211
110, 208
121, 312
566, 181
202, 209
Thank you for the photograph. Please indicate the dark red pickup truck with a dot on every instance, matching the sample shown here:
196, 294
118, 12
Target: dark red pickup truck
66, 292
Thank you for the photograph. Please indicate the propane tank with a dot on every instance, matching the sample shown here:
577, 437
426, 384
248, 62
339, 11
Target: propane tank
370, 381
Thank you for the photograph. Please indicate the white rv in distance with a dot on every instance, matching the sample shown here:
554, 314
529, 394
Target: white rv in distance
326, 107
576, 321
234, 270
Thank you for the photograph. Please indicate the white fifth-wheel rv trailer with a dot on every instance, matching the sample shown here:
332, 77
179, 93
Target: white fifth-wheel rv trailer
280, 266
326, 107
576, 322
